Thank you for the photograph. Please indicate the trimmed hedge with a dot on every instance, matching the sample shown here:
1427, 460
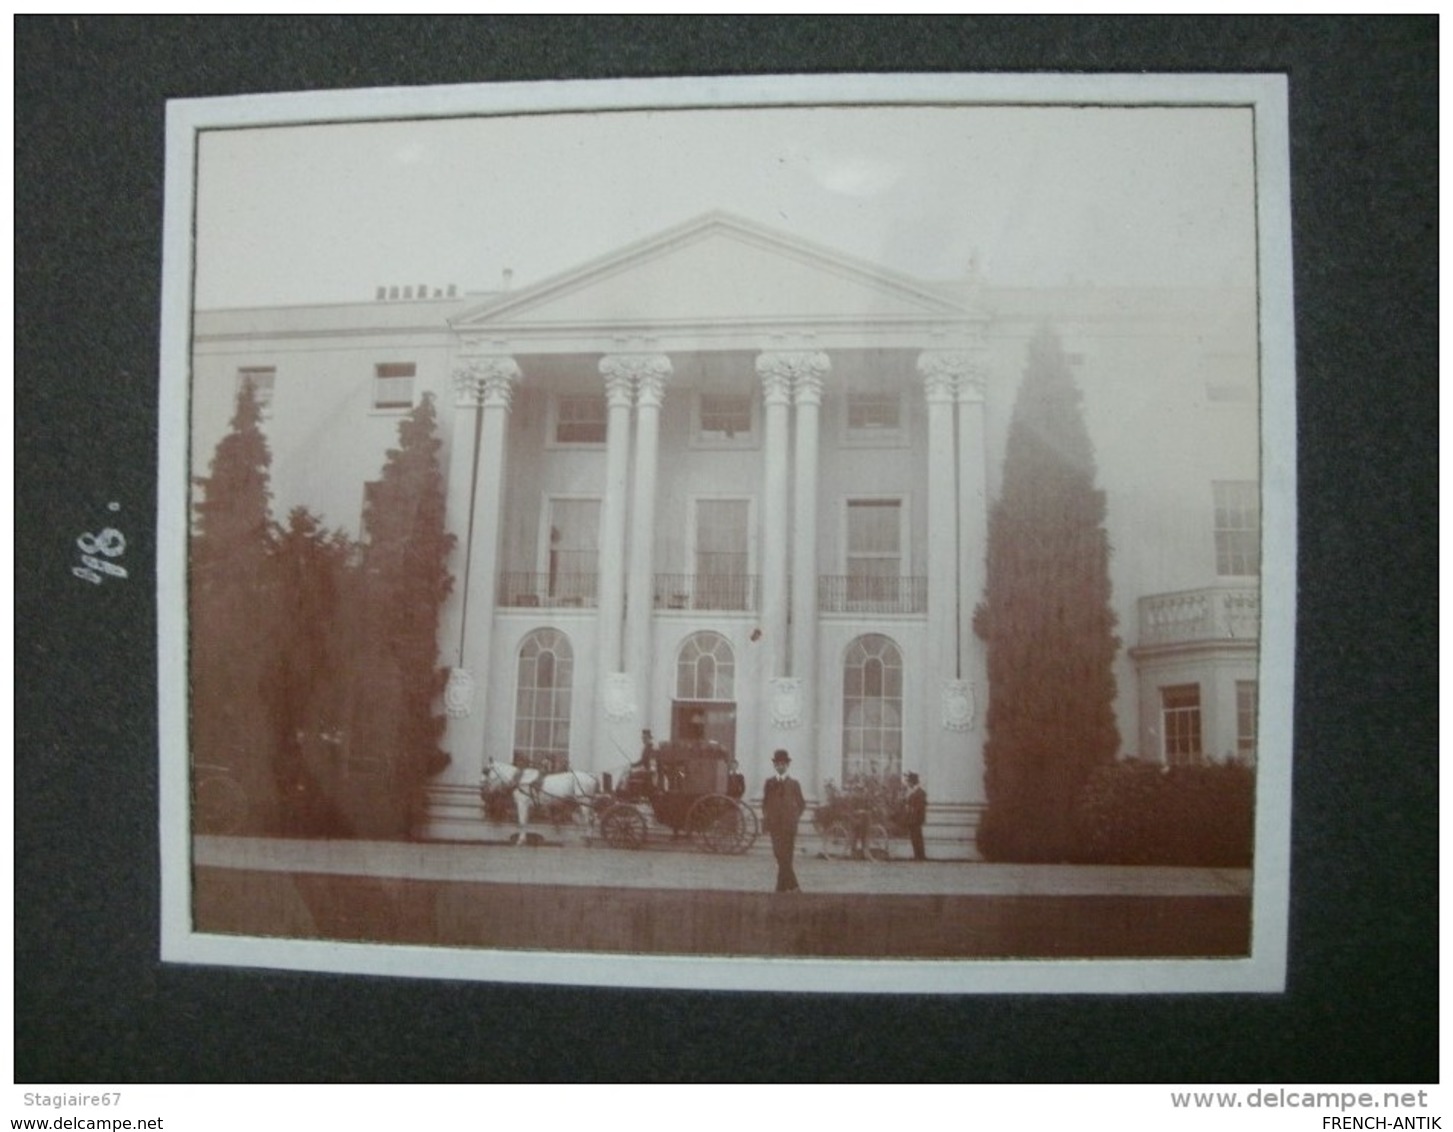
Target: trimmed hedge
1138, 813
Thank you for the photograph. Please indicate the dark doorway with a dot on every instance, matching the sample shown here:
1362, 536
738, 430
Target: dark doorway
705, 719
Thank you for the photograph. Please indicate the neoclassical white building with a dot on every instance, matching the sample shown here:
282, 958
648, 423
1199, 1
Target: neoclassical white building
726, 483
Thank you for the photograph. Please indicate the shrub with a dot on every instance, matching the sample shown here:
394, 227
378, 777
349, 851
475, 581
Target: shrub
1139, 813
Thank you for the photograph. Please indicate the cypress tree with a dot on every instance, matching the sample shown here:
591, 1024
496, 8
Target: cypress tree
406, 581
229, 630
1047, 622
310, 687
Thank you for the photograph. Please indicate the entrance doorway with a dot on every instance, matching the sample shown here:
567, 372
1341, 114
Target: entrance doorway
705, 719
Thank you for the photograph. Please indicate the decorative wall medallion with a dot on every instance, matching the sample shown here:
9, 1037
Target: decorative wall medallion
785, 694
959, 707
619, 696
459, 693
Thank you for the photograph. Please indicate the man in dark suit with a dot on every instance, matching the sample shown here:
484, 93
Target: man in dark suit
782, 806
915, 813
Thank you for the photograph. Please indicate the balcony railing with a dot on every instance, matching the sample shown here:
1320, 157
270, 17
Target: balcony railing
1217, 614
707, 591
719, 592
525, 590
839, 593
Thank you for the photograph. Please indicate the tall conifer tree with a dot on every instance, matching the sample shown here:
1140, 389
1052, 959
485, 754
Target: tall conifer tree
230, 547
311, 684
406, 580
1046, 620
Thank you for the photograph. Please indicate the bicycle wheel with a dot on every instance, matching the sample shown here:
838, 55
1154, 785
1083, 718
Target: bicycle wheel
837, 842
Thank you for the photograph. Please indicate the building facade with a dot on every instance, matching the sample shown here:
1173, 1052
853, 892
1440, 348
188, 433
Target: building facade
726, 484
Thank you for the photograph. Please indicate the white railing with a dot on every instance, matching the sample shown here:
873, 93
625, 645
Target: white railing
1214, 614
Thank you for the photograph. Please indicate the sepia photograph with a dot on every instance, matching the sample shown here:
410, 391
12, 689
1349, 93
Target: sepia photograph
817, 534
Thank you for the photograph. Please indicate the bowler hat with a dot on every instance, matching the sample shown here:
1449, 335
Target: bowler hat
781, 756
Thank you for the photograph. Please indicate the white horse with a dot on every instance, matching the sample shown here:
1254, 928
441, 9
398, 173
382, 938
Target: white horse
531, 787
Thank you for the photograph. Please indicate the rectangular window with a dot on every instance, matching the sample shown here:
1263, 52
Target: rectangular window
580, 419
263, 378
724, 416
1246, 720
874, 415
721, 554
1238, 527
874, 558
393, 387
1180, 712
574, 553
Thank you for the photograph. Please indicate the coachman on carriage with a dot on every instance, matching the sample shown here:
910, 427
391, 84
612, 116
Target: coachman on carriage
689, 786
692, 787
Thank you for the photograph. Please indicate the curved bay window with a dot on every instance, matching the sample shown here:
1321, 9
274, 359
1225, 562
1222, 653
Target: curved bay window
542, 700
872, 708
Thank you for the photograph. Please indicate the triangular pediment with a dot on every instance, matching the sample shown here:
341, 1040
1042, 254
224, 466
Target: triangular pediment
717, 270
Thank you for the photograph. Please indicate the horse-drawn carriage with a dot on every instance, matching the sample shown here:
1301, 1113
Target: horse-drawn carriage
689, 786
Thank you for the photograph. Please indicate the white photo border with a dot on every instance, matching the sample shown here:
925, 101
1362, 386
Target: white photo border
1264, 970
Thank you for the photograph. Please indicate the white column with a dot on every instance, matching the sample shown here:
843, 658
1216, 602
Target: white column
940, 371
776, 401
973, 509
651, 372
484, 387
973, 563
809, 368
613, 701
776, 443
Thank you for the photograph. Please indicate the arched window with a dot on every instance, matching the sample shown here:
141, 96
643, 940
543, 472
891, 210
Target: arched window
873, 708
705, 668
542, 700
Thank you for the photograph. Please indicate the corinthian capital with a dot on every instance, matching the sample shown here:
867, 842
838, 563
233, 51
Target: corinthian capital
971, 384
487, 380
783, 371
647, 372
942, 370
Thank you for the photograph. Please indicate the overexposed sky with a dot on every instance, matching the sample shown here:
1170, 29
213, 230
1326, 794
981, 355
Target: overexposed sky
1041, 195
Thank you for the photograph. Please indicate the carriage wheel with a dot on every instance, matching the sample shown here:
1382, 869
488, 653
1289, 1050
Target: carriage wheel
722, 824
837, 842
623, 827
877, 848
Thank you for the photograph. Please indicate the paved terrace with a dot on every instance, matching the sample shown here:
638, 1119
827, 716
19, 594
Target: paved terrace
676, 900
680, 865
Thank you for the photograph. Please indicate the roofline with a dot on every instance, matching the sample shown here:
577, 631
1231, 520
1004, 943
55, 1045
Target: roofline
699, 226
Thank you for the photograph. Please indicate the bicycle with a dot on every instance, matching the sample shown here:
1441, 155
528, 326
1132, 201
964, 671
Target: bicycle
861, 839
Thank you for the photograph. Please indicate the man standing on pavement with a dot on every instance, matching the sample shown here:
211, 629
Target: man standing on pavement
915, 813
782, 806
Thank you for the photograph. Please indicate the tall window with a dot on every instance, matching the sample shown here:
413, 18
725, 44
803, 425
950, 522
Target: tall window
724, 417
1246, 720
873, 414
873, 708
542, 700
706, 668
393, 387
1238, 527
721, 554
580, 419
573, 556
1180, 714
263, 379
874, 558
